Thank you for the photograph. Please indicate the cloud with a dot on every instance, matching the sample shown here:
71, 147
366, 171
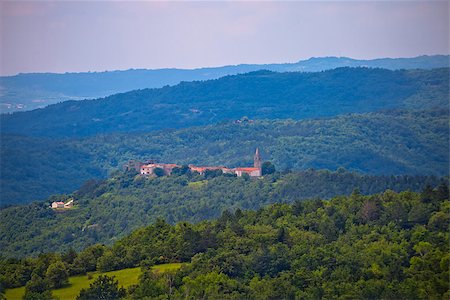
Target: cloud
81, 36
25, 8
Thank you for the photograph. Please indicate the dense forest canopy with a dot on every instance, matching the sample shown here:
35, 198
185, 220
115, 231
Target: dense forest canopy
107, 210
384, 246
395, 142
375, 227
21, 91
258, 95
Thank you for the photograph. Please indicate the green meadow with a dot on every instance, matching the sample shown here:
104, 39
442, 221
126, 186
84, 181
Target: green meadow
126, 277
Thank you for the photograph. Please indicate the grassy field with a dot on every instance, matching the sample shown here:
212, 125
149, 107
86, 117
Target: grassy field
126, 277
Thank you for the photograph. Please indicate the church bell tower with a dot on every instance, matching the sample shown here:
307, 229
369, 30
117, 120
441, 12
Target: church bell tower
257, 163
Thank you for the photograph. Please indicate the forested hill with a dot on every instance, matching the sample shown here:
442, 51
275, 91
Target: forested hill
107, 210
384, 246
34, 90
258, 95
397, 142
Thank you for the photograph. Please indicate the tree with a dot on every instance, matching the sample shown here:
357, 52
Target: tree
103, 288
439, 221
89, 187
86, 261
187, 241
158, 172
283, 236
370, 210
212, 285
268, 288
149, 285
442, 192
57, 275
213, 173
69, 256
43, 261
427, 194
37, 289
267, 168
107, 262
184, 169
2, 291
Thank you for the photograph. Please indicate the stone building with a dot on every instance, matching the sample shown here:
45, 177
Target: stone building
255, 171
149, 169
58, 204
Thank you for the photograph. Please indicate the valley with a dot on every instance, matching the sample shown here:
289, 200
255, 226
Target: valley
260, 150
256, 95
391, 143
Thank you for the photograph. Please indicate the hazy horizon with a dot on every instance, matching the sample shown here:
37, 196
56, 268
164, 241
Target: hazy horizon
220, 66
61, 37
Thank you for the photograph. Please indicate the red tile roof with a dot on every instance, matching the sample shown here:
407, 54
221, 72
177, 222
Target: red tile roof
203, 169
171, 165
246, 169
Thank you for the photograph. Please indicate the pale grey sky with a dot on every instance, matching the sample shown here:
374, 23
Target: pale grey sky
50, 36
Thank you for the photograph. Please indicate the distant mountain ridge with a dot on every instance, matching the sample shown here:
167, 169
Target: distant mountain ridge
33, 90
258, 95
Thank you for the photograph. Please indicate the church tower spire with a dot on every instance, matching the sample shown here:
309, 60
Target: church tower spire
257, 163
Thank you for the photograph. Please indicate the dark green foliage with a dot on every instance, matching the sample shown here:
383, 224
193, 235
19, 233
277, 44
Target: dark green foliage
213, 173
353, 247
184, 169
69, 256
104, 287
267, 168
125, 202
2, 291
387, 143
259, 95
57, 275
150, 285
210, 285
37, 289
159, 172
53, 88
107, 262
87, 260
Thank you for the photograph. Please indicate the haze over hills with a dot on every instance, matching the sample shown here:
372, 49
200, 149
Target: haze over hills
396, 142
34, 90
324, 178
258, 95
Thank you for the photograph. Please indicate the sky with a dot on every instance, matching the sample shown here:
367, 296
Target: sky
66, 36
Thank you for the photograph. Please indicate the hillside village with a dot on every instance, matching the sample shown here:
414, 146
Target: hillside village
151, 168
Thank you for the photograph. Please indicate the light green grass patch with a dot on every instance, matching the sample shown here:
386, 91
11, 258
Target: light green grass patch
13, 294
167, 267
197, 184
126, 277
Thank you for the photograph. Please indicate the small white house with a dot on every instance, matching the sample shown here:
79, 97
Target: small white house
58, 204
